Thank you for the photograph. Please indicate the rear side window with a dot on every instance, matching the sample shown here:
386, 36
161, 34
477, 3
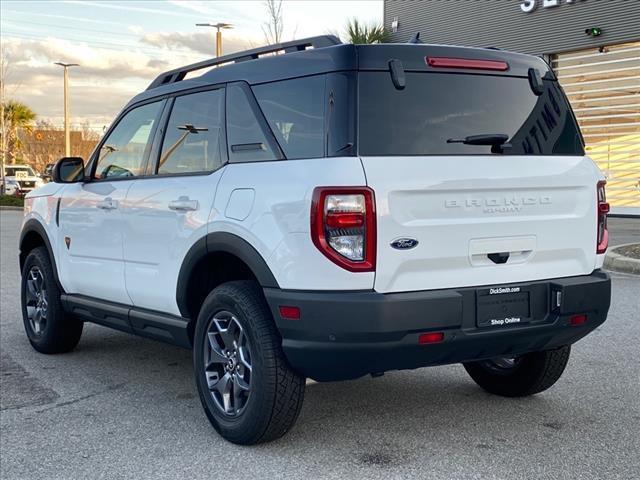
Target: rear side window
193, 142
248, 142
295, 112
436, 107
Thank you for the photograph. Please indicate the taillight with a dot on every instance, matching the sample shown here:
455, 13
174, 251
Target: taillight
603, 210
343, 226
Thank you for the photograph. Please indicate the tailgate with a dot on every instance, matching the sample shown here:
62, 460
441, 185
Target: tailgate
482, 220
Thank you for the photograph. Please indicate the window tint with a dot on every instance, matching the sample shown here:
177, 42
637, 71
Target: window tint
123, 152
247, 140
295, 112
193, 139
434, 108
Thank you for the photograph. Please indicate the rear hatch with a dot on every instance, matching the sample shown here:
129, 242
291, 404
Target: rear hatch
478, 170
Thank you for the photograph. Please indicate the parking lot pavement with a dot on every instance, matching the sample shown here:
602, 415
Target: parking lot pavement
125, 407
624, 230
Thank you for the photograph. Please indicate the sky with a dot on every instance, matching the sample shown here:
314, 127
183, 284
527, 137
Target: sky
122, 46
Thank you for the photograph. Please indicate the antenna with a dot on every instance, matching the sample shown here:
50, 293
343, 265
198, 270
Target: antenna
415, 39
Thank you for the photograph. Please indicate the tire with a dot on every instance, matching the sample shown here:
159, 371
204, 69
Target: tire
235, 318
52, 331
520, 377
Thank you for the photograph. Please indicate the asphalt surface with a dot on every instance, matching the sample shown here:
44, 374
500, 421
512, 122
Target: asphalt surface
623, 230
125, 407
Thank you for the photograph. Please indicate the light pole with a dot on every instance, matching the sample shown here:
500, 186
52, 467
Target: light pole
67, 137
218, 26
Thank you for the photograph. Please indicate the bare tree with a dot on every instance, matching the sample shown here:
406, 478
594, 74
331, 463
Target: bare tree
273, 28
88, 133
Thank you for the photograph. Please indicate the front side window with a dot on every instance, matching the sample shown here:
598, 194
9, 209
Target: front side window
193, 142
123, 152
295, 112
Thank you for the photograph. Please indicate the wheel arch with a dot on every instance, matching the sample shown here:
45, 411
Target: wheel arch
34, 235
220, 250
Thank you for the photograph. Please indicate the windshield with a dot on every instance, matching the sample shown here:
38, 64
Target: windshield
435, 107
11, 171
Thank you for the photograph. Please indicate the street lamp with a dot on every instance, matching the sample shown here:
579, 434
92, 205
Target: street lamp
67, 139
219, 26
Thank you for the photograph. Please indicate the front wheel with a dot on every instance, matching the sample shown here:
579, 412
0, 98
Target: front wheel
249, 392
520, 376
49, 328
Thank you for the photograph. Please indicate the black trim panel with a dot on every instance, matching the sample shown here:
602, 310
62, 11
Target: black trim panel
145, 323
34, 226
343, 335
221, 242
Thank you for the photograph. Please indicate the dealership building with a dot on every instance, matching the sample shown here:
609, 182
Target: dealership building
593, 47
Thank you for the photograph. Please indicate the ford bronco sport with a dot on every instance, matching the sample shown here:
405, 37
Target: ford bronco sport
323, 210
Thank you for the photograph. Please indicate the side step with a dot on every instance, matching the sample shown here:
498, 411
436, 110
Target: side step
146, 323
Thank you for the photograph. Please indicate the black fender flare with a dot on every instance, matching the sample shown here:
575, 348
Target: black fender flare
221, 242
34, 226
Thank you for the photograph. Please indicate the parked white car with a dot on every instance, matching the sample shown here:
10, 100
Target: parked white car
24, 175
9, 187
329, 212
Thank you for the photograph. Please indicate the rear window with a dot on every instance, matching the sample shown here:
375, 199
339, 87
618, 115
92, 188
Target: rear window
436, 107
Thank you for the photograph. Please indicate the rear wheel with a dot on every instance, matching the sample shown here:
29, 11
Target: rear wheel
249, 392
520, 376
48, 327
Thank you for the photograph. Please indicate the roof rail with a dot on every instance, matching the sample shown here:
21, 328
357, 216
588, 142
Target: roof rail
178, 74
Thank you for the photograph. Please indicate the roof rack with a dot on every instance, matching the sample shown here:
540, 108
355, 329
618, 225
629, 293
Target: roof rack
178, 74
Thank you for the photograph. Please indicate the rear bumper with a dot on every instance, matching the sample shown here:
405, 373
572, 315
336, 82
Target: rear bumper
343, 335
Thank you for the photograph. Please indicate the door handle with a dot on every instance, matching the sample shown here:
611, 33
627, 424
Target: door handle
107, 204
183, 204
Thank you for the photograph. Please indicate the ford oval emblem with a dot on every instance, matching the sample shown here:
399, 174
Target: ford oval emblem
404, 243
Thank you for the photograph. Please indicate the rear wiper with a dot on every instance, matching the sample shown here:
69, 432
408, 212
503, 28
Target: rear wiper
498, 141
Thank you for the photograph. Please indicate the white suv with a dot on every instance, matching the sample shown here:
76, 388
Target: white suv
23, 176
329, 212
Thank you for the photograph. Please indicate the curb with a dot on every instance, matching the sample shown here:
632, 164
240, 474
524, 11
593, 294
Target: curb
7, 207
620, 263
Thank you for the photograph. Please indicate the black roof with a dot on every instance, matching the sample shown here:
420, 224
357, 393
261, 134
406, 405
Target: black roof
328, 55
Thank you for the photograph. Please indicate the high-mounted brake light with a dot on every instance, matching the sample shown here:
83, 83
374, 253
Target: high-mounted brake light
603, 210
343, 226
448, 62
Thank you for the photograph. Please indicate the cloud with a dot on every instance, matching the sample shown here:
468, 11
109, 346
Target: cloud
127, 6
200, 42
238, 11
107, 78
37, 56
137, 29
100, 86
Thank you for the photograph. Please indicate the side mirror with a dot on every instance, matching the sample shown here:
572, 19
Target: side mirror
68, 170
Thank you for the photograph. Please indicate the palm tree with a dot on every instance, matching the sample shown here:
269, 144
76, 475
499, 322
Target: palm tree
358, 32
17, 116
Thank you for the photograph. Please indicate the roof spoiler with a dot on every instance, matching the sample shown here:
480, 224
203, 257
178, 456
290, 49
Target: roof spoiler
178, 74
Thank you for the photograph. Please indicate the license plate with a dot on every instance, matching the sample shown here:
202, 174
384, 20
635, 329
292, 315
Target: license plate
502, 306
